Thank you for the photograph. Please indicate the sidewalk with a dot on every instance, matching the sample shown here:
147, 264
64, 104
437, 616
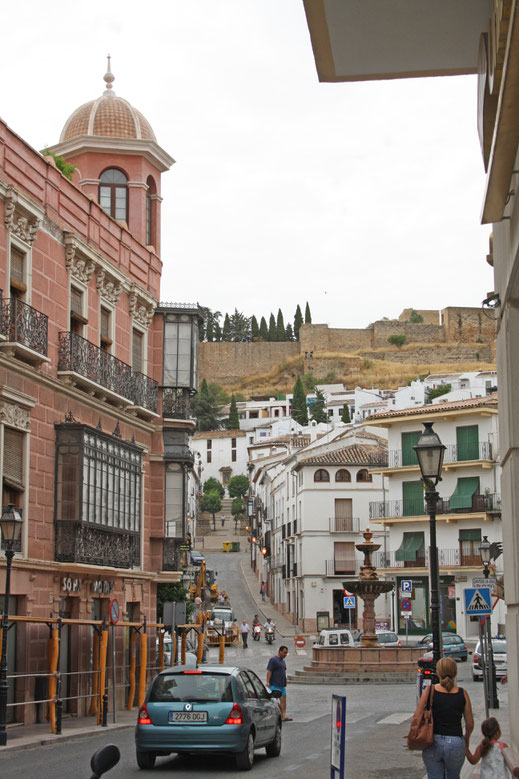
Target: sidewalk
73, 728
265, 608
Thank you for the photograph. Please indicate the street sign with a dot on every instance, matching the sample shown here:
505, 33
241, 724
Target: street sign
406, 614
405, 605
300, 642
114, 611
349, 602
338, 740
406, 586
480, 581
477, 601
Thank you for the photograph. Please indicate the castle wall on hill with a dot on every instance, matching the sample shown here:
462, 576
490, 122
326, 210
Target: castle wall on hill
414, 333
468, 325
226, 362
444, 353
430, 316
321, 338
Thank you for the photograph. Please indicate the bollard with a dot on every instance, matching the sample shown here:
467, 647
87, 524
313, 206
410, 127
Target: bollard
59, 710
200, 647
105, 710
222, 650
183, 647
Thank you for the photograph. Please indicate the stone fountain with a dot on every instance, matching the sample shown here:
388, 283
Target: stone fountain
368, 587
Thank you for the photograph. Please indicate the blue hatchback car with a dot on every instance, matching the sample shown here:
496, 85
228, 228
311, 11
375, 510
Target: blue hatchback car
219, 708
453, 646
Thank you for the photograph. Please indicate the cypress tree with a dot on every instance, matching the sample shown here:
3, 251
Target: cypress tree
217, 332
273, 331
308, 316
345, 416
254, 328
280, 326
263, 329
209, 331
204, 389
289, 333
299, 408
298, 321
319, 408
233, 423
226, 328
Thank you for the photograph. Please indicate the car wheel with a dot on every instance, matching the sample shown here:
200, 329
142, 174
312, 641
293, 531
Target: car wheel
274, 748
245, 759
146, 759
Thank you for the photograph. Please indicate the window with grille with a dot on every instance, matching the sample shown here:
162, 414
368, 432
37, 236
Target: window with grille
18, 271
138, 351
113, 194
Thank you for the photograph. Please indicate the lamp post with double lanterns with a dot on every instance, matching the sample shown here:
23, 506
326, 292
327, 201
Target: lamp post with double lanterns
429, 451
489, 671
11, 526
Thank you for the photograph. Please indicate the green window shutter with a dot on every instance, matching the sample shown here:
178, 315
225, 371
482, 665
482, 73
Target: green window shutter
408, 453
461, 498
411, 544
467, 440
470, 535
413, 499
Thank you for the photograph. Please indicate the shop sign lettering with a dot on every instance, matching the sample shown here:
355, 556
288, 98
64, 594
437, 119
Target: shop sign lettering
102, 587
71, 585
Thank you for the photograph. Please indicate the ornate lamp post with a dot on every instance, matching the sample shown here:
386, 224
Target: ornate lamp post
492, 700
430, 451
11, 525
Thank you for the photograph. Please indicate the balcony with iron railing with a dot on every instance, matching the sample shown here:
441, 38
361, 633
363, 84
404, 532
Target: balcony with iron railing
344, 524
447, 558
454, 455
340, 568
24, 330
175, 403
396, 509
95, 370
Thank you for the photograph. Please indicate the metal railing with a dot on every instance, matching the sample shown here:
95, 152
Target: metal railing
482, 450
446, 558
145, 391
175, 403
415, 507
336, 568
25, 325
344, 524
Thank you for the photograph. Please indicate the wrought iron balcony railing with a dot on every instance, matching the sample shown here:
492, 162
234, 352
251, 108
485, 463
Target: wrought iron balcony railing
446, 558
80, 542
389, 509
481, 450
175, 403
145, 391
344, 524
24, 325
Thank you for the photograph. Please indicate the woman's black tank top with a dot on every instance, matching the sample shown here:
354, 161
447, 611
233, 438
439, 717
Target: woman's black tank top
447, 711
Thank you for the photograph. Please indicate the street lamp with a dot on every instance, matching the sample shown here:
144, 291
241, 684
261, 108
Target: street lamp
429, 451
491, 699
11, 526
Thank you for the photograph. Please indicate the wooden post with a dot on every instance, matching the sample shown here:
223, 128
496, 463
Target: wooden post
183, 649
103, 646
95, 674
142, 666
200, 646
53, 654
131, 675
222, 650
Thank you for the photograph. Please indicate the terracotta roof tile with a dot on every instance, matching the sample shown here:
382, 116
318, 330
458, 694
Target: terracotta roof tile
357, 454
490, 401
219, 434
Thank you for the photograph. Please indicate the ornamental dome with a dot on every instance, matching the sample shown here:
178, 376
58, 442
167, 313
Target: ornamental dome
109, 116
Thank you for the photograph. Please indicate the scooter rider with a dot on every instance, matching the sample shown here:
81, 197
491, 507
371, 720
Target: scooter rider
256, 624
269, 625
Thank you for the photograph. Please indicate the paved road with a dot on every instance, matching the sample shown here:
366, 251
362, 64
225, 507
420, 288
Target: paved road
377, 721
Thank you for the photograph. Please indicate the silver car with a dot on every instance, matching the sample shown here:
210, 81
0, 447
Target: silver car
500, 657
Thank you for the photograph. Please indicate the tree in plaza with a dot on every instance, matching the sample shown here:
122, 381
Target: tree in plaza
299, 408
211, 503
254, 328
237, 511
280, 326
298, 321
263, 329
319, 407
226, 328
289, 333
308, 315
213, 485
239, 327
273, 331
238, 486
233, 423
345, 416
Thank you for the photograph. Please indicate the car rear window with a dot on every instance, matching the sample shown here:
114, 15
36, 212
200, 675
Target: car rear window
206, 687
387, 638
499, 646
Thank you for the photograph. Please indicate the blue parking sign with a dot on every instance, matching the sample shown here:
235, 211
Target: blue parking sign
406, 586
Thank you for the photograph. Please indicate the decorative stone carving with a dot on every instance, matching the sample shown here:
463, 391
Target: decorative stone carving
107, 287
24, 227
15, 415
80, 267
140, 311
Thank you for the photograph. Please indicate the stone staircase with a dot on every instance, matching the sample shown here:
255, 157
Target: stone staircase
213, 540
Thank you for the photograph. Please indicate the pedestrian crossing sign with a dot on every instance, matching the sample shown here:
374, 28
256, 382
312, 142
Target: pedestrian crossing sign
477, 601
349, 601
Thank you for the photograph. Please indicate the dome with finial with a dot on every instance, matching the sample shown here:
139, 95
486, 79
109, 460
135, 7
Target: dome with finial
109, 116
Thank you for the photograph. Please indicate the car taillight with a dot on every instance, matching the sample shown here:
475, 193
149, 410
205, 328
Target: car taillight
476, 658
143, 717
235, 717
426, 671
399, 643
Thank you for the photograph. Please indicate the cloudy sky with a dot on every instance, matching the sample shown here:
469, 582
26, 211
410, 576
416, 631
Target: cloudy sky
362, 198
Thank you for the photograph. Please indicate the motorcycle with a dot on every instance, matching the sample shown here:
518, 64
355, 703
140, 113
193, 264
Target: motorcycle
103, 760
269, 635
256, 632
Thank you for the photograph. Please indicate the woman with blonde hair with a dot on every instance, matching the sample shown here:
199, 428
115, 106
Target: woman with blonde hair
444, 759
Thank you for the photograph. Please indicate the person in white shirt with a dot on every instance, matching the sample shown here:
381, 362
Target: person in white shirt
244, 628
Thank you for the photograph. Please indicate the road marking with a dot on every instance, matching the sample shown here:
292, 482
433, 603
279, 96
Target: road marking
301, 652
351, 719
396, 718
293, 767
314, 756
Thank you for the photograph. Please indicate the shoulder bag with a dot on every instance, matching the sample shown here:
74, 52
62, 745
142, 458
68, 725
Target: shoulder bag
421, 733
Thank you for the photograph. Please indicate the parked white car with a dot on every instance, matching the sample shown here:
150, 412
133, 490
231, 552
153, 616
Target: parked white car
335, 637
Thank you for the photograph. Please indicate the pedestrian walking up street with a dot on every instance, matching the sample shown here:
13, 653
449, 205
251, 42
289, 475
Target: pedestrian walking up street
262, 591
244, 633
277, 679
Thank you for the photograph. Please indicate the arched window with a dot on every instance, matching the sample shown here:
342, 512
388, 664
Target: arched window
363, 475
342, 475
321, 475
150, 215
113, 193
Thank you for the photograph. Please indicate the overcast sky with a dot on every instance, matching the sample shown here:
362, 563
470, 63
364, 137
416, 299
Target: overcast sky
362, 198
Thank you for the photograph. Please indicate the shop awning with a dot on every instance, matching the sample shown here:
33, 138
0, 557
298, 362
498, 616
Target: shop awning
461, 498
410, 545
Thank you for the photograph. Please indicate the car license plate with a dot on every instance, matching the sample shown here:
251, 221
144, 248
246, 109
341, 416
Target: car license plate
192, 717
